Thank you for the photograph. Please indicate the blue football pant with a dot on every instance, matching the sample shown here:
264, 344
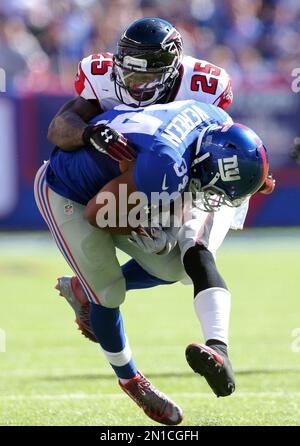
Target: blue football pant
137, 278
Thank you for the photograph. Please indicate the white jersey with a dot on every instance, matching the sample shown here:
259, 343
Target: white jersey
199, 80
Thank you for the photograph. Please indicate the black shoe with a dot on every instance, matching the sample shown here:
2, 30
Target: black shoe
214, 365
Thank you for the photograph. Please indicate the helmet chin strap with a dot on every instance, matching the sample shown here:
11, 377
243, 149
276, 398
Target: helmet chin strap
214, 180
150, 101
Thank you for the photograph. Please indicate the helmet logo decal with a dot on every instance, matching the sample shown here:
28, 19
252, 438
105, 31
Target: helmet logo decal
168, 43
106, 133
229, 168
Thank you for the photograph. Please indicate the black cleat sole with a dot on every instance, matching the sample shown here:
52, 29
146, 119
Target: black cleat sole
201, 361
218, 376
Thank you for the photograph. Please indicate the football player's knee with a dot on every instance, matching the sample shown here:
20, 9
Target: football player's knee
114, 294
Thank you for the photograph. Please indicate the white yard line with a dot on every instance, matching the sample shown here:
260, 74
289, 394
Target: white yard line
76, 372
40, 243
52, 372
86, 396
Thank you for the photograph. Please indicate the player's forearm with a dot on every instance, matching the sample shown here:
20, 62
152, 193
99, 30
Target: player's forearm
67, 127
66, 130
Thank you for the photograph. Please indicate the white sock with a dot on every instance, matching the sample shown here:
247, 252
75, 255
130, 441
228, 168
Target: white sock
121, 358
212, 307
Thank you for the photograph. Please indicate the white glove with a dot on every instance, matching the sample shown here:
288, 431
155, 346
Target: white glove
154, 240
171, 242
150, 240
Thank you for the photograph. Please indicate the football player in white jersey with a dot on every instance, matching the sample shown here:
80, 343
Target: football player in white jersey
149, 67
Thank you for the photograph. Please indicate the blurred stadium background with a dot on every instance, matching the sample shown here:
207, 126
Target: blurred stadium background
41, 43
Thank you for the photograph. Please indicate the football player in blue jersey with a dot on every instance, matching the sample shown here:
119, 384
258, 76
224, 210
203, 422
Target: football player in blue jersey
148, 67
180, 147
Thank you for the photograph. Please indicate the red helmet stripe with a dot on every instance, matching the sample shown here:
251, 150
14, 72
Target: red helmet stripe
262, 152
265, 165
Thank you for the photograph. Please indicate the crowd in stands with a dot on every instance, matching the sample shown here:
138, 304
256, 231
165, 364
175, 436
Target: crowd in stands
41, 42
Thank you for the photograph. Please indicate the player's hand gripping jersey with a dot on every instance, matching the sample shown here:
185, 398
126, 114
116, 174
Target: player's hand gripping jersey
198, 80
164, 136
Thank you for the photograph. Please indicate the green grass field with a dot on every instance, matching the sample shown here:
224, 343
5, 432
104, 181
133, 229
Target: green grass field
51, 375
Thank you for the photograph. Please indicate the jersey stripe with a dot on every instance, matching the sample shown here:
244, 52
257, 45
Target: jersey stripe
45, 207
225, 98
262, 152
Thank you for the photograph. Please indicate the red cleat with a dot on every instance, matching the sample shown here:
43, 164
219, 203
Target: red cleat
71, 289
155, 404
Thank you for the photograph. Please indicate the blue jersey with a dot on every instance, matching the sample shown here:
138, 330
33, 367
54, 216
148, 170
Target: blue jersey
164, 136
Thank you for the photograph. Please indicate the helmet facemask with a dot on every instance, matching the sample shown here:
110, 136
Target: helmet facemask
140, 87
211, 198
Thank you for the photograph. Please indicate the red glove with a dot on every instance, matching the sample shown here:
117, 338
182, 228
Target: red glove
268, 186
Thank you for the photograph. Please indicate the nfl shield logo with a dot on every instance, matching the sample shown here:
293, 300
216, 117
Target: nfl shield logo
68, 208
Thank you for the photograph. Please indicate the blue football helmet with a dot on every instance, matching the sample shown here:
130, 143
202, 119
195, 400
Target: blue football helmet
230, 165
